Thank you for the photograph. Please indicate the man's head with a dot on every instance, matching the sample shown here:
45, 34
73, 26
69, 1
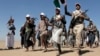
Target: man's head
42, 16
11, 21
91, 23
78, 6
57, 11
27, 17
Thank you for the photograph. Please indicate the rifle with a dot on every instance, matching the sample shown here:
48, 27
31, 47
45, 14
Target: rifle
64, 26
72, 24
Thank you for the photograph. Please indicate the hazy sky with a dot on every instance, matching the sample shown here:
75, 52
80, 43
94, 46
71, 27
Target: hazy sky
19, 8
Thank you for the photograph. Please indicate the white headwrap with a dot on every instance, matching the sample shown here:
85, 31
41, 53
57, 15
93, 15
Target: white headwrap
27, 15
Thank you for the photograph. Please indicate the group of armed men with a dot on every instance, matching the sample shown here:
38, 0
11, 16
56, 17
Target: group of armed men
77, 36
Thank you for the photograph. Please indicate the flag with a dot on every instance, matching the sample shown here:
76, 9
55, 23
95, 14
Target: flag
62, 1
56, 3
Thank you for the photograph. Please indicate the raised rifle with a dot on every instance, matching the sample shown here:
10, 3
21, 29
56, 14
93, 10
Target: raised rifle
73, 21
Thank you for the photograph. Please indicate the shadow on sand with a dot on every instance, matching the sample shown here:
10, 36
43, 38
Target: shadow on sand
63, 52
83, 52
67, 51
1, 49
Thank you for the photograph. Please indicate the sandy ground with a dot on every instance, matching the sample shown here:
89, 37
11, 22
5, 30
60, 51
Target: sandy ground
51, 51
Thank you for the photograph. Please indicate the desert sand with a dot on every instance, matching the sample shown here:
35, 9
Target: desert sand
17, 51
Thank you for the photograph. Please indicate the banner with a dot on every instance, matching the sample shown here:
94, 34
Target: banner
56, 3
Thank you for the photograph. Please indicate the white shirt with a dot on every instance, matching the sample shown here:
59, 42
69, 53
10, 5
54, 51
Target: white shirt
76, 13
